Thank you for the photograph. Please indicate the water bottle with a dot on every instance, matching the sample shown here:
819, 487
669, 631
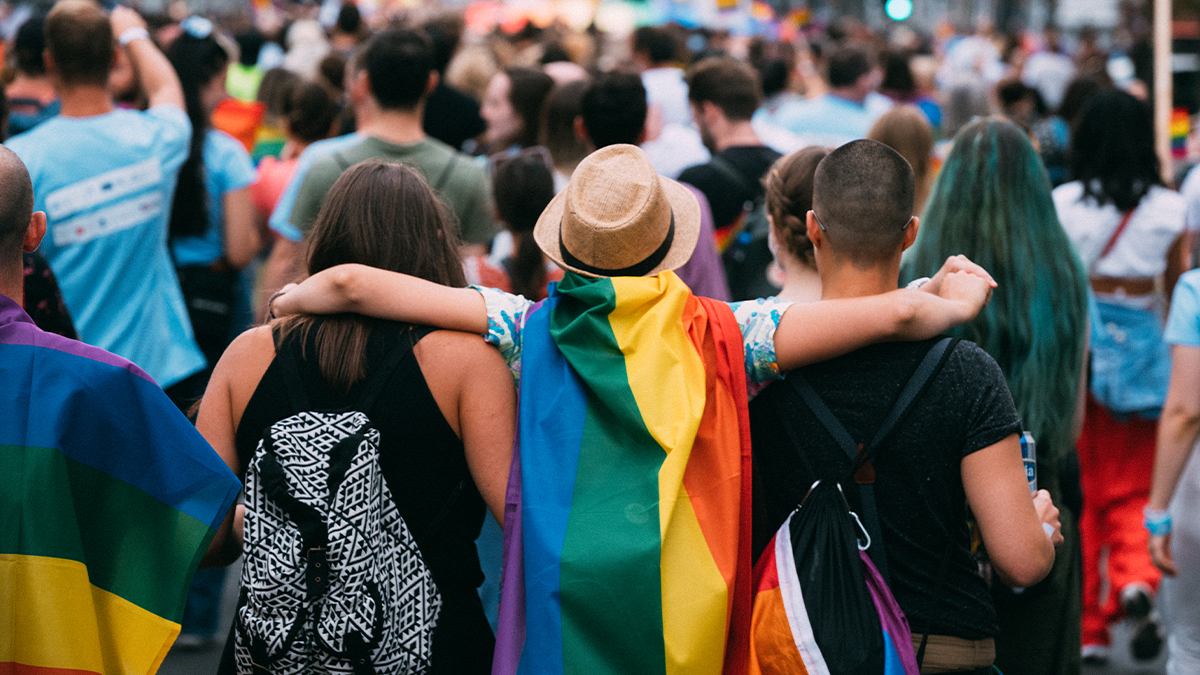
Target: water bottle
1029, 457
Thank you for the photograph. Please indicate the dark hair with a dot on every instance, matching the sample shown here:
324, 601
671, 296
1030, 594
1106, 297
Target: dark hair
349, 19
445, 32
332, 69
1079, 94
614, 109
727, 83
249, 43
563, 105
385, 216
897, 74
863, 195
197, 61
522, 187
789, 198
553, 52
527, 91
311, 113
276, 90
774, 74
398, 64
29, 45
657, 43
1112, 150
79, 37
17, 205
845, 64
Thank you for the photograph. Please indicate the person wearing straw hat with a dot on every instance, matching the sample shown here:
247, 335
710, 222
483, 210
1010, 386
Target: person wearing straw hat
627, 539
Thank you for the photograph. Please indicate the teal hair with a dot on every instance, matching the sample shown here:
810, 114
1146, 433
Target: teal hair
991, 202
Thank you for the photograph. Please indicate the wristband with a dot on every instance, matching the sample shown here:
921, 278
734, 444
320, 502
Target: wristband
1157, 523
133, 33
1048, 529
270, 304
917, 283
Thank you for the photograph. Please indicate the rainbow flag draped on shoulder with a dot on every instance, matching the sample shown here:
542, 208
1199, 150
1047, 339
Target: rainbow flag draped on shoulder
108, 500
628, 519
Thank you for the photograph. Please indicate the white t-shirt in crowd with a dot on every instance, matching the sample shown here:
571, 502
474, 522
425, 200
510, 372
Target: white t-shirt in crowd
1141, 251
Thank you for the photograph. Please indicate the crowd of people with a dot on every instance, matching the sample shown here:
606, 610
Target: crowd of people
704, 268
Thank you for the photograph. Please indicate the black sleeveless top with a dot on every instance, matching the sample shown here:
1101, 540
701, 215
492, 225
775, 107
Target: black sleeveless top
425, 468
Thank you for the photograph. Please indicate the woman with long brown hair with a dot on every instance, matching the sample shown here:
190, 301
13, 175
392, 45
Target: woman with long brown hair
445, 414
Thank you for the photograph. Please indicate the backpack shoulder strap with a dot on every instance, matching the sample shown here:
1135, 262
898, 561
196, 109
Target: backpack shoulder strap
446, 173
340, 158
374, 385
860, 456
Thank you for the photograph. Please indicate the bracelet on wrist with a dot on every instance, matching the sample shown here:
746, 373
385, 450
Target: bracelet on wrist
271, 304
133, 33
1157, 523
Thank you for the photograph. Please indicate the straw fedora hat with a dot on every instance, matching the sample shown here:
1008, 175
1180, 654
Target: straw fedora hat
618, 218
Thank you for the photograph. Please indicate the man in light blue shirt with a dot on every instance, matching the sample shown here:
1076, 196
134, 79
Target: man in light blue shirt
846, 112
105, 178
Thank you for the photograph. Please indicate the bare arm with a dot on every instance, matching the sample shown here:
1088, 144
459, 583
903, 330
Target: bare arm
487, 414
1010, 522
283, 266
241, 228
1177, 432
386, 295
822, 330
155, 74
232, 383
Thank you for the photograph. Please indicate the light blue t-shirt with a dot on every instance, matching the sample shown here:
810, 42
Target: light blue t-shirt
106, 184
281, 217
1183, 324
829, 120
227, 168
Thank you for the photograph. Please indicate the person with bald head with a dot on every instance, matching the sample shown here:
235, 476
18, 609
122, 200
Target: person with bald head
109, 495
105, 178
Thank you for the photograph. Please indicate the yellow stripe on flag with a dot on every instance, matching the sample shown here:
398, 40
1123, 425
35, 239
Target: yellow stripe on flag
54, 618
667, 377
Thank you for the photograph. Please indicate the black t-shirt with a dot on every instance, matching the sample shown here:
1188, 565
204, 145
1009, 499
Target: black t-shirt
725, 197
965, 408
452, 117
425, 468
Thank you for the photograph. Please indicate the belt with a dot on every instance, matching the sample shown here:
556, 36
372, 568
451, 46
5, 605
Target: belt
948, 654
1123, 286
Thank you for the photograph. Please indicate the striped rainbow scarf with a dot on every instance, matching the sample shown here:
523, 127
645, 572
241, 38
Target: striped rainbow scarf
628, 516
108, 500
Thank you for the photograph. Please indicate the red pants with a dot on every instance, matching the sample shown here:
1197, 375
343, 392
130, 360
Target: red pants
1115, 461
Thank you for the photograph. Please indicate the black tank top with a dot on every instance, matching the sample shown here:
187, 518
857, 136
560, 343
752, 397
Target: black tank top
425, 468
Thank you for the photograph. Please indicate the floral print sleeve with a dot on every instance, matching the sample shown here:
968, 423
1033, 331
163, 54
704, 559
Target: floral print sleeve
758, 320
506, 318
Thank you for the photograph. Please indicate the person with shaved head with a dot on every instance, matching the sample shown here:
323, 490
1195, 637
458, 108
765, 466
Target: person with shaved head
109, 495
956, 445
105, 179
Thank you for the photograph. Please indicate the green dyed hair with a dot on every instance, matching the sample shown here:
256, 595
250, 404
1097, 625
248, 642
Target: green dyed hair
991, 202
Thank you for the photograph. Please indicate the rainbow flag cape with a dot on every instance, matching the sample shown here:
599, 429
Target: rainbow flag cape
108, 499
628, 514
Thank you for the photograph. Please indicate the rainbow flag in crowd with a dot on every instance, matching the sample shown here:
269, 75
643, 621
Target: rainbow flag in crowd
627, 543
108, 499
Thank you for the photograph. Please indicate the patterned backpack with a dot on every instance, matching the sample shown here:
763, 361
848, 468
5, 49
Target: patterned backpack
333, 580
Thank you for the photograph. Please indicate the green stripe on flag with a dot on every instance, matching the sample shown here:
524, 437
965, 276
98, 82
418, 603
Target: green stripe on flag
611, 584
134, 546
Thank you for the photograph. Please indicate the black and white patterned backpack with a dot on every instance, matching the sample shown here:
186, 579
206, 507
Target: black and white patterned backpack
333, 580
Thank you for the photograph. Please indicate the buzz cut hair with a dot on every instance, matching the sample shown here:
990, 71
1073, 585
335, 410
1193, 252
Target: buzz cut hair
863, 197
16, 207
